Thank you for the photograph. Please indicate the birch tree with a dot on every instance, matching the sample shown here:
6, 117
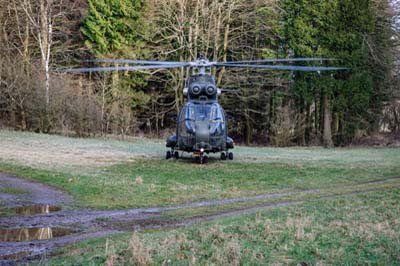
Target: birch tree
42, 16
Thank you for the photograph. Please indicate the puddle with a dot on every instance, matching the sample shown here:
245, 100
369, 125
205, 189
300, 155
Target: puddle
15, 256
38, 209
30, 210
29, 234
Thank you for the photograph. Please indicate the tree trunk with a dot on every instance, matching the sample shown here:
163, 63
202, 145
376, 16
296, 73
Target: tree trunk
248, 127
301, 125
272, 117
317, 124
23, 120
335, 117
45, 32
327, 132
307, 130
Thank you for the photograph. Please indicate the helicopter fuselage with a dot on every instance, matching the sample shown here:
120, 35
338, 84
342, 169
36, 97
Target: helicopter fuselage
202, 122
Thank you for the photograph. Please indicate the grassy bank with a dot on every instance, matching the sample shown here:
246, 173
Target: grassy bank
359, 230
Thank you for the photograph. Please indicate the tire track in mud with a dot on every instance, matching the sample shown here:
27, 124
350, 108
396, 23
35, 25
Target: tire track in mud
86, 217
30, 192
91, 223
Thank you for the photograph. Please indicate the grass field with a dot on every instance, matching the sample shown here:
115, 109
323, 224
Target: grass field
111, 174
360, 229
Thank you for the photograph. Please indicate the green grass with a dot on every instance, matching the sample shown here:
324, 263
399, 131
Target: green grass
158, 182
107, 174
13, 190
358, 230
332, 192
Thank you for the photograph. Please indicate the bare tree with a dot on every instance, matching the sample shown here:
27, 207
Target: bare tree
184, 29
42, 19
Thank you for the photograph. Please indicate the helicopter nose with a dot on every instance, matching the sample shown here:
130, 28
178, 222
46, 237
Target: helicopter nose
202, 132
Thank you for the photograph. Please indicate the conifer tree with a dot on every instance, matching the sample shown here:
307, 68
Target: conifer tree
116, 29
357, 33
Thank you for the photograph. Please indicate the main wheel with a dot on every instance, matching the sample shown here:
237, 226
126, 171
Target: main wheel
176, 155
205, 159
230, 156
168, 155
223, 156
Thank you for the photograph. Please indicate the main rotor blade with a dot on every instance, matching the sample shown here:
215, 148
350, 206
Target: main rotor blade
128, 61
230, 90
282, 67
282, 60
119, 68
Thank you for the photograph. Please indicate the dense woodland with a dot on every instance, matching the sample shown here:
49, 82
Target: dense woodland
273, 107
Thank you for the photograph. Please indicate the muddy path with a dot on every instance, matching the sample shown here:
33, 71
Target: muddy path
29, 237
16, 191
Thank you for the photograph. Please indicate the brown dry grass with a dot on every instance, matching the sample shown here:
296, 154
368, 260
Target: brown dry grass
56, 152
140, 253
45, 154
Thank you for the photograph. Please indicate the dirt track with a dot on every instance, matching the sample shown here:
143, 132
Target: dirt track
39, 194
91, 223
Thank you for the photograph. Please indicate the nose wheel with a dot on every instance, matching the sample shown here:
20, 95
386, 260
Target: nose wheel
202, 158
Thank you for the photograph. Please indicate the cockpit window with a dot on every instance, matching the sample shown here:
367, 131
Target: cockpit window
203, 112
216, 113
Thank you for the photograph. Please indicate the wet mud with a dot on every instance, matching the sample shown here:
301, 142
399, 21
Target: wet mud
15, 256
36, 230
30, 210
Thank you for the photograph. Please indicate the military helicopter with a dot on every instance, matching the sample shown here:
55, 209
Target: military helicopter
202, 123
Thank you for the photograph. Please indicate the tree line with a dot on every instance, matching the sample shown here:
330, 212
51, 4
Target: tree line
273, 107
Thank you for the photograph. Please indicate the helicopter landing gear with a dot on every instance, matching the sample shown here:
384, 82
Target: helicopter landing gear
230, 156
223, 156
172, 154
203, 159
